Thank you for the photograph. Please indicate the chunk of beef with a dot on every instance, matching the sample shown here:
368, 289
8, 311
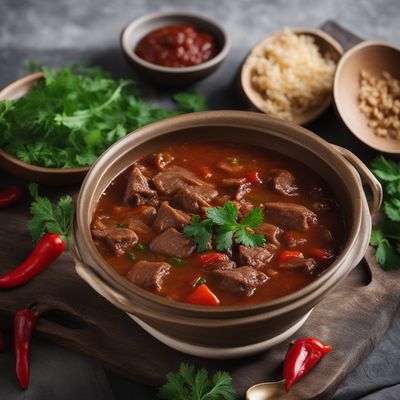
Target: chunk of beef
118, 239
223, 265
194, 198
241, 281
271, 232
242, 190
233, 182
172, 243
148, 274
169, 217
161, 160
230, 165
308, 264
138, 191
144, 232
256, 257
290, 216
174, 178
283, 181
144, 212
242, 186
294, 239
98, 224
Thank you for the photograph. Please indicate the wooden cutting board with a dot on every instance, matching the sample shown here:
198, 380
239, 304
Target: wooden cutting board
351, 319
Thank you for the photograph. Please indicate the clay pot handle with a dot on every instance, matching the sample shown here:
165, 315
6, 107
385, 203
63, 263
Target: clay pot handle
101, 287
366, 176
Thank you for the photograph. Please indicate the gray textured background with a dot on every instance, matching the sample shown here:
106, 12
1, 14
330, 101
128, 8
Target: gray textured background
57, 32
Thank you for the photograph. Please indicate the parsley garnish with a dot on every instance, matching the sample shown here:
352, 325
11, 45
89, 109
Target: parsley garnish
131, 256
200, 281
193, 384
75, 113
386, 238
141, 247
175, 260
223, 222
49, 218
122, 225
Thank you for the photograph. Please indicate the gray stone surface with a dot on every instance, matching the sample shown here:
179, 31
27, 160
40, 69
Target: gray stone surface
46, 24
60, 31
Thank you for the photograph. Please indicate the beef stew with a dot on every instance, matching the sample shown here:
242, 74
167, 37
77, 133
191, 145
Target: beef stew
140, 224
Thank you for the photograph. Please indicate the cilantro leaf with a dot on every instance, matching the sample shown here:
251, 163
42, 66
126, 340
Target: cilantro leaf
386, 238
191, 101
392, 209
199, 232
223, 215
49, 218
223, 222
224, 236
253, 218
189, 383
75, 113
249, 239
386, 256
384, 169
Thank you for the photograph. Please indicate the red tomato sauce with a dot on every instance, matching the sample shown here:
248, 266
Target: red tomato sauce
177, 46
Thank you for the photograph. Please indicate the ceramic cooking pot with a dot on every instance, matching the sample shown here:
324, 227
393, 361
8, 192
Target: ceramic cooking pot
234, 330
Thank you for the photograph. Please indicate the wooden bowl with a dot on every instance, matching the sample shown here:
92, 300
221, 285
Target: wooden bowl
168, 76
29, 172
327, 45
232, 330
373, 57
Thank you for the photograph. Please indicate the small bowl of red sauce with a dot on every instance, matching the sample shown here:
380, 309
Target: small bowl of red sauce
174, 49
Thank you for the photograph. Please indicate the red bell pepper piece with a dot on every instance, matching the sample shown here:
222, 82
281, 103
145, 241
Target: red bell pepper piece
302, 355
253, 177
290, 255
205, 172
10, 196
24, 324
202, 296
320, 254
210, 258
48, 249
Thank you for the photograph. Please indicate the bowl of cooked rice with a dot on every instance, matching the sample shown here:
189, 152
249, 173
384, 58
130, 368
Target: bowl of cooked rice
289, 75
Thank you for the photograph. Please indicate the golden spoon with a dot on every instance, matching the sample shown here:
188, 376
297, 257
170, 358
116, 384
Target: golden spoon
269, 391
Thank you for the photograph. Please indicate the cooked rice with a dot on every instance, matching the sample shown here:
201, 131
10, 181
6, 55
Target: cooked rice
292, 75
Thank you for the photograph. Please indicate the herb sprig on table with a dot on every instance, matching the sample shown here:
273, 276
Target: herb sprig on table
75, 113
189, 383
386, 237
223, 222
47, 217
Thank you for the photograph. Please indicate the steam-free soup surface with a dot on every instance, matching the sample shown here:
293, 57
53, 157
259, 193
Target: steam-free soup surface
140, 224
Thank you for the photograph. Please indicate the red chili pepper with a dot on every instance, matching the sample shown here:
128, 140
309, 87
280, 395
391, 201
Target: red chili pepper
253, 177
210, 258
48, 249
320, 254
202, 296
10, 196
24, 324
290, 255
302, 355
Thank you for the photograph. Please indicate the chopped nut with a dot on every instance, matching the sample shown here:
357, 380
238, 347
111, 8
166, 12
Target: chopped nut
379, 101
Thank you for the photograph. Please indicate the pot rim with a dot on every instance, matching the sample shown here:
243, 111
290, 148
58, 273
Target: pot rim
247, 120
